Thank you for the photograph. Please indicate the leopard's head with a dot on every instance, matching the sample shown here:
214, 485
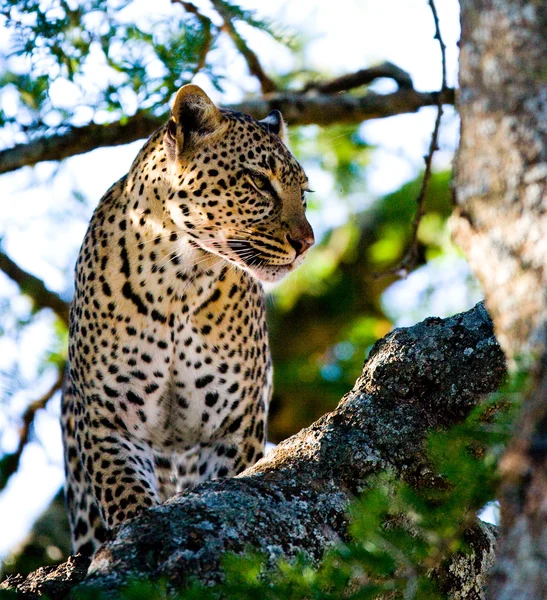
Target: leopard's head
235, 189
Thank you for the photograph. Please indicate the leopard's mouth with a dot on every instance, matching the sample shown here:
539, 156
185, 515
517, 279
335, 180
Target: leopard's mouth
262, 264
259, 264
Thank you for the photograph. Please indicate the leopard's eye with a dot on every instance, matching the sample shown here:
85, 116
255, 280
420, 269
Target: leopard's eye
259, 182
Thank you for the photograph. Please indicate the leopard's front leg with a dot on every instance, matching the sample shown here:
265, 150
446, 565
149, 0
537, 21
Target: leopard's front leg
118, 470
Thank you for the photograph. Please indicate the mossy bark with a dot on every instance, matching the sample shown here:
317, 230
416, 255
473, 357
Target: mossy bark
417, 379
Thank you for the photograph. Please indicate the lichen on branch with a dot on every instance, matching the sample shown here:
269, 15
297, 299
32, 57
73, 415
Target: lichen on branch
417, 379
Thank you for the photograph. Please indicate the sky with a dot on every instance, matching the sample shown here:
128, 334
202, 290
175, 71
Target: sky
345, 35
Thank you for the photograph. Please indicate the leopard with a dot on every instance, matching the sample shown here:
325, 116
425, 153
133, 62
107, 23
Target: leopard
169, 375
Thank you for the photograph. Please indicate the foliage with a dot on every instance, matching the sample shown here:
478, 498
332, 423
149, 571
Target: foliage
324, 320
72, 62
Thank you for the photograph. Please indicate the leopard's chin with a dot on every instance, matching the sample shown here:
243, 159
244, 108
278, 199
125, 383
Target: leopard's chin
267, 273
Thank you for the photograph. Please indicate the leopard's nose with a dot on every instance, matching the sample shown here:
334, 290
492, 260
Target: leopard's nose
301, 243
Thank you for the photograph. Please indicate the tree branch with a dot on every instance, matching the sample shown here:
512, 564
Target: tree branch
297, 109
362, 77
409, 261
35, 288
77, 140
10, 462
255, 68
294, 501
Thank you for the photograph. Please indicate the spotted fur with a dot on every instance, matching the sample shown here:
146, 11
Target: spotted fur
169, 365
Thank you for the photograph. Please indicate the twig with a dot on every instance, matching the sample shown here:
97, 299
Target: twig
297, 109
362, 77
34, 288
266, 83
439, 38
408, 263
10, 463
207, 34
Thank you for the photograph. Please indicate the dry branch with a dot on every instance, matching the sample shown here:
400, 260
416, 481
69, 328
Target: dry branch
10, 462
410, 259
297, 109
415, 380
35, 288
362, 77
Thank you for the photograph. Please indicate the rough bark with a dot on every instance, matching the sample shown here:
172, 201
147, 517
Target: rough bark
501, 223
521, 566
415, 380
501, 168
297, 109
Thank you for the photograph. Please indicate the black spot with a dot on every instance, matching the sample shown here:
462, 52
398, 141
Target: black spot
211, 398
81, 528
100, 533
86, 549
134, 399
157, 316
138, 374
201, 382
235, 425
162, 462
110, 392
125, 262
128, 293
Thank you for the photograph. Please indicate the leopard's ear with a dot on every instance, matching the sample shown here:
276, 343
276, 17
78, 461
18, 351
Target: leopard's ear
193, 118
276, 124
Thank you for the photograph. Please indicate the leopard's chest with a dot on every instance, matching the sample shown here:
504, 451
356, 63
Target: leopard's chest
183, 372
219, 372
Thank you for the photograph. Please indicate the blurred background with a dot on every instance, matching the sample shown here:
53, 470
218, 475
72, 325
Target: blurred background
74, 62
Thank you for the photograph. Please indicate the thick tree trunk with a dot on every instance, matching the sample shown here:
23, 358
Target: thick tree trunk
416, 380
501, 167
501, 223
